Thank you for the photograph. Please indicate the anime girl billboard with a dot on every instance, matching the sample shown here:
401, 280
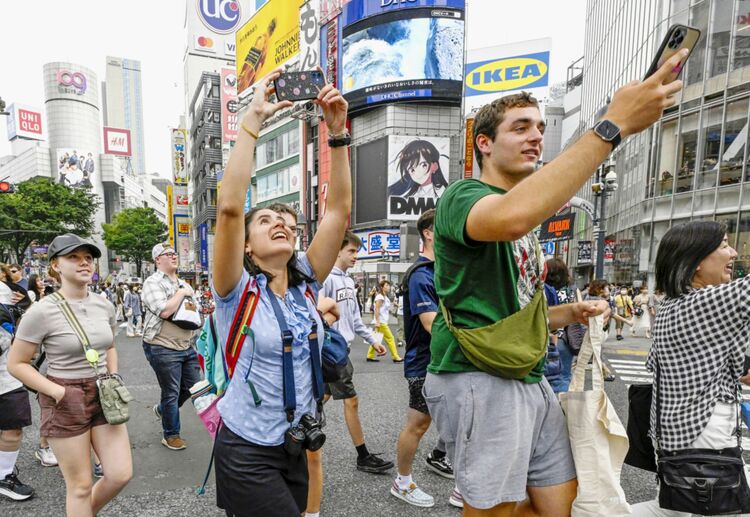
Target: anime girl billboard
417, 174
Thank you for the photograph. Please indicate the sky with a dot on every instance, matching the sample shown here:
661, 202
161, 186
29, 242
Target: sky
87, 31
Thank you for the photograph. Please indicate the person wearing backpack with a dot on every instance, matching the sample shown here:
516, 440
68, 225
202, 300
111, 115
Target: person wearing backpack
420, 308
340, 287
272, 408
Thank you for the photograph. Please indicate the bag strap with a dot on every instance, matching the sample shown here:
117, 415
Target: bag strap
240, 327
404, 285
92, 356
287, 339
588, 351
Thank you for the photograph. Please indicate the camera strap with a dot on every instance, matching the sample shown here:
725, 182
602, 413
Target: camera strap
287, 339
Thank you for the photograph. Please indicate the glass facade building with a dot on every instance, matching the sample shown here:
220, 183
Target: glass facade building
692, 165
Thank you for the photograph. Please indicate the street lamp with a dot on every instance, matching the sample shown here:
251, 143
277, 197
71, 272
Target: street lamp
606, 183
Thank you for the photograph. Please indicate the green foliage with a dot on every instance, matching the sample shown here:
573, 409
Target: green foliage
40, 210
133, 233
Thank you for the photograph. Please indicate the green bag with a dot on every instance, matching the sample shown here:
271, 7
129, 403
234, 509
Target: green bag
113, 395
509, 348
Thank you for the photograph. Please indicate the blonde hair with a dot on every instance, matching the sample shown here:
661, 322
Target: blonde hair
51, 271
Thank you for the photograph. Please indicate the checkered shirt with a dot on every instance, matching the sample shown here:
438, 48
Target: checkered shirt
700, 340
157, 290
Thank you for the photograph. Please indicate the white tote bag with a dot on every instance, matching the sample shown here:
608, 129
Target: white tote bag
597, 437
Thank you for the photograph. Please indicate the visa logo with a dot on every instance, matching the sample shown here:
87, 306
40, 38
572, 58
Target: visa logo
506, 74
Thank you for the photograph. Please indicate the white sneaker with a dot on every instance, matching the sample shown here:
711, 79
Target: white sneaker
46, 457
456, 499
413, 495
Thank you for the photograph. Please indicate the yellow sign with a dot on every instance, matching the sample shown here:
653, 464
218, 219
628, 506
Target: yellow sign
507, 74
170, 214
268, 40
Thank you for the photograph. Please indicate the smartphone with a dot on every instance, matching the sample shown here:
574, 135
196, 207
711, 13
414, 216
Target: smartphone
299, 86
677, 38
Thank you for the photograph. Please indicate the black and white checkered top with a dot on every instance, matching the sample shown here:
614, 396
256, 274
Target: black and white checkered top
699, 339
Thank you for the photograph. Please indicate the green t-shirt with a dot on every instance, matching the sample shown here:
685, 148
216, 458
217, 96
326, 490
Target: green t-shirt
479, 282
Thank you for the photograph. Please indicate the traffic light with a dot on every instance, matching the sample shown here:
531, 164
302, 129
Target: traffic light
6, 187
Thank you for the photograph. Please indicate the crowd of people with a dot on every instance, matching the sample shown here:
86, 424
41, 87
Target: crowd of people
491, 332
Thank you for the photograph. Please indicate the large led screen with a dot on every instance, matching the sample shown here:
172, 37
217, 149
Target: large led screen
411, 54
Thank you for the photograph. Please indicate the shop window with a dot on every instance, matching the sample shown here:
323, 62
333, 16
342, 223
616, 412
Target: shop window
697, 61
711, 147
735, 140
667, 150
688, 149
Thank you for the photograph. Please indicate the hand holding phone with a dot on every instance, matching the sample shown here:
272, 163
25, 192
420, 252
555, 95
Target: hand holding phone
299, 86
678, 37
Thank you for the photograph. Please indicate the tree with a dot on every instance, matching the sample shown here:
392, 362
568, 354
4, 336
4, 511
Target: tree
133, 233
39, 210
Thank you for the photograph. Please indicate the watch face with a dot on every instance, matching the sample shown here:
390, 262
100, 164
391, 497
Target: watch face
607, 130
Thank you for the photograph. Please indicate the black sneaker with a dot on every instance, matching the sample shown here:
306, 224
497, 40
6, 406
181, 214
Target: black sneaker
440, 466
373, 464
12, 488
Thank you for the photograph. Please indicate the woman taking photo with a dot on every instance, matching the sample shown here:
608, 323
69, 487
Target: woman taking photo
71, 415
700, 336
256, 472
381, 314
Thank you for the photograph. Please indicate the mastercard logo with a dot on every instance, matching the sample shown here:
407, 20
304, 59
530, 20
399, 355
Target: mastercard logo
205, 42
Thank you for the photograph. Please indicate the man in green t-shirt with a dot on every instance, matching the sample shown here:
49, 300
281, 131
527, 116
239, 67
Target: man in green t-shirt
507, 436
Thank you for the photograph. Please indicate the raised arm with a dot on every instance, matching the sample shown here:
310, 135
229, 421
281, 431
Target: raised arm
325, 246
229, 242
508, 217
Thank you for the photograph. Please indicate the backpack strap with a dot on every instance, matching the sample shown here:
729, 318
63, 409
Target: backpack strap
404, 285
241, 325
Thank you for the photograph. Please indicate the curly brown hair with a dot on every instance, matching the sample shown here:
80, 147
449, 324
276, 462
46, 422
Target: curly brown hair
491, 115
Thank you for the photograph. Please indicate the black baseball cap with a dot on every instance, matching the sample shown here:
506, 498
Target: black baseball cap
64, 244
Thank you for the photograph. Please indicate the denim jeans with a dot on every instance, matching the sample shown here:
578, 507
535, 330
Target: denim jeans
566, 362
176, 371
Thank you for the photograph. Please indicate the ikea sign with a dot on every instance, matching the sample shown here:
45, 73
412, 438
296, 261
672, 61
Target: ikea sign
506, 74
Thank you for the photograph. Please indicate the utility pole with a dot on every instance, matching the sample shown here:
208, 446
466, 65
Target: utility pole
606, 183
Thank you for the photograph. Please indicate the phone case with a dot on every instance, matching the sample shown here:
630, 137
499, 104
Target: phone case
677, 38
298, 86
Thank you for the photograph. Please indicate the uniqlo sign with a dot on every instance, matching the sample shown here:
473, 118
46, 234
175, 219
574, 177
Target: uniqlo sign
25, 122
117, 141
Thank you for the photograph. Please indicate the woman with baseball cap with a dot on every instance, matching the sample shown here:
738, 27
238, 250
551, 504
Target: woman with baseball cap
71, 414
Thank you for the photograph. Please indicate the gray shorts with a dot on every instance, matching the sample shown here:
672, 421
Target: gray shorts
503, 435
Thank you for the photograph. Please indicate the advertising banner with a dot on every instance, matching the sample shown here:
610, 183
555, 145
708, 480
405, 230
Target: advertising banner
183, 226
170, 215
229, 105
469, 149
393, 51
179, 166
117, 141
584, 253
25, 122
609, 251
330, 9
493, 72
309, 35
417, 174
75, 168
330, 52
203, 234
268, 40
211, 25
379, 243
558, 228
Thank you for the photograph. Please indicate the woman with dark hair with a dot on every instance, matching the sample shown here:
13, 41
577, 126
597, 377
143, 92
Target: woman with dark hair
700, 335
261, 467
421, 175
381, 314
36, 287
557, 367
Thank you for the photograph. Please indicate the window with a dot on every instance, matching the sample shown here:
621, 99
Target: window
735, 139
688, 148
711, 147
718, 53
741, 53
278, 148
742, 263
697, 61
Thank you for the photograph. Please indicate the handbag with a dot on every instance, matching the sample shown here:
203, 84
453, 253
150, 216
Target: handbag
641, 453
114, 397
187, 316
597, 437
703, 481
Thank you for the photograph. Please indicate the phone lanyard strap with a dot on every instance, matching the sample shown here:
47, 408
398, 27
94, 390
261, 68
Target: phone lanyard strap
287, 339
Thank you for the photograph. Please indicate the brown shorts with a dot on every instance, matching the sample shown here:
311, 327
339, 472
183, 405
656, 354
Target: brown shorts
77, 412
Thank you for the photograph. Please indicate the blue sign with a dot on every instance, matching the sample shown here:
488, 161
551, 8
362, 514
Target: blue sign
507, 73
248, 198
203, 233
221, 16
549, 248
356, 10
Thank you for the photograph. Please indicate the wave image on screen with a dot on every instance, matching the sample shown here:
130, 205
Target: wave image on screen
419, 48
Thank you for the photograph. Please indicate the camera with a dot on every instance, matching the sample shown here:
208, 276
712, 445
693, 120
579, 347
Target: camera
677, 38
305, 435
611, 180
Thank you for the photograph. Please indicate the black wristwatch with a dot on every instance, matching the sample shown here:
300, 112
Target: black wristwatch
340, 140
609, 132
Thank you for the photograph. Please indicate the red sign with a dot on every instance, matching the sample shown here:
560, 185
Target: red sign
229, 105
30, 121
181, 200
117, 141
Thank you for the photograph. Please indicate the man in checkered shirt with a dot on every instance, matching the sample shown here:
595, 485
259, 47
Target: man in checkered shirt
167, 346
